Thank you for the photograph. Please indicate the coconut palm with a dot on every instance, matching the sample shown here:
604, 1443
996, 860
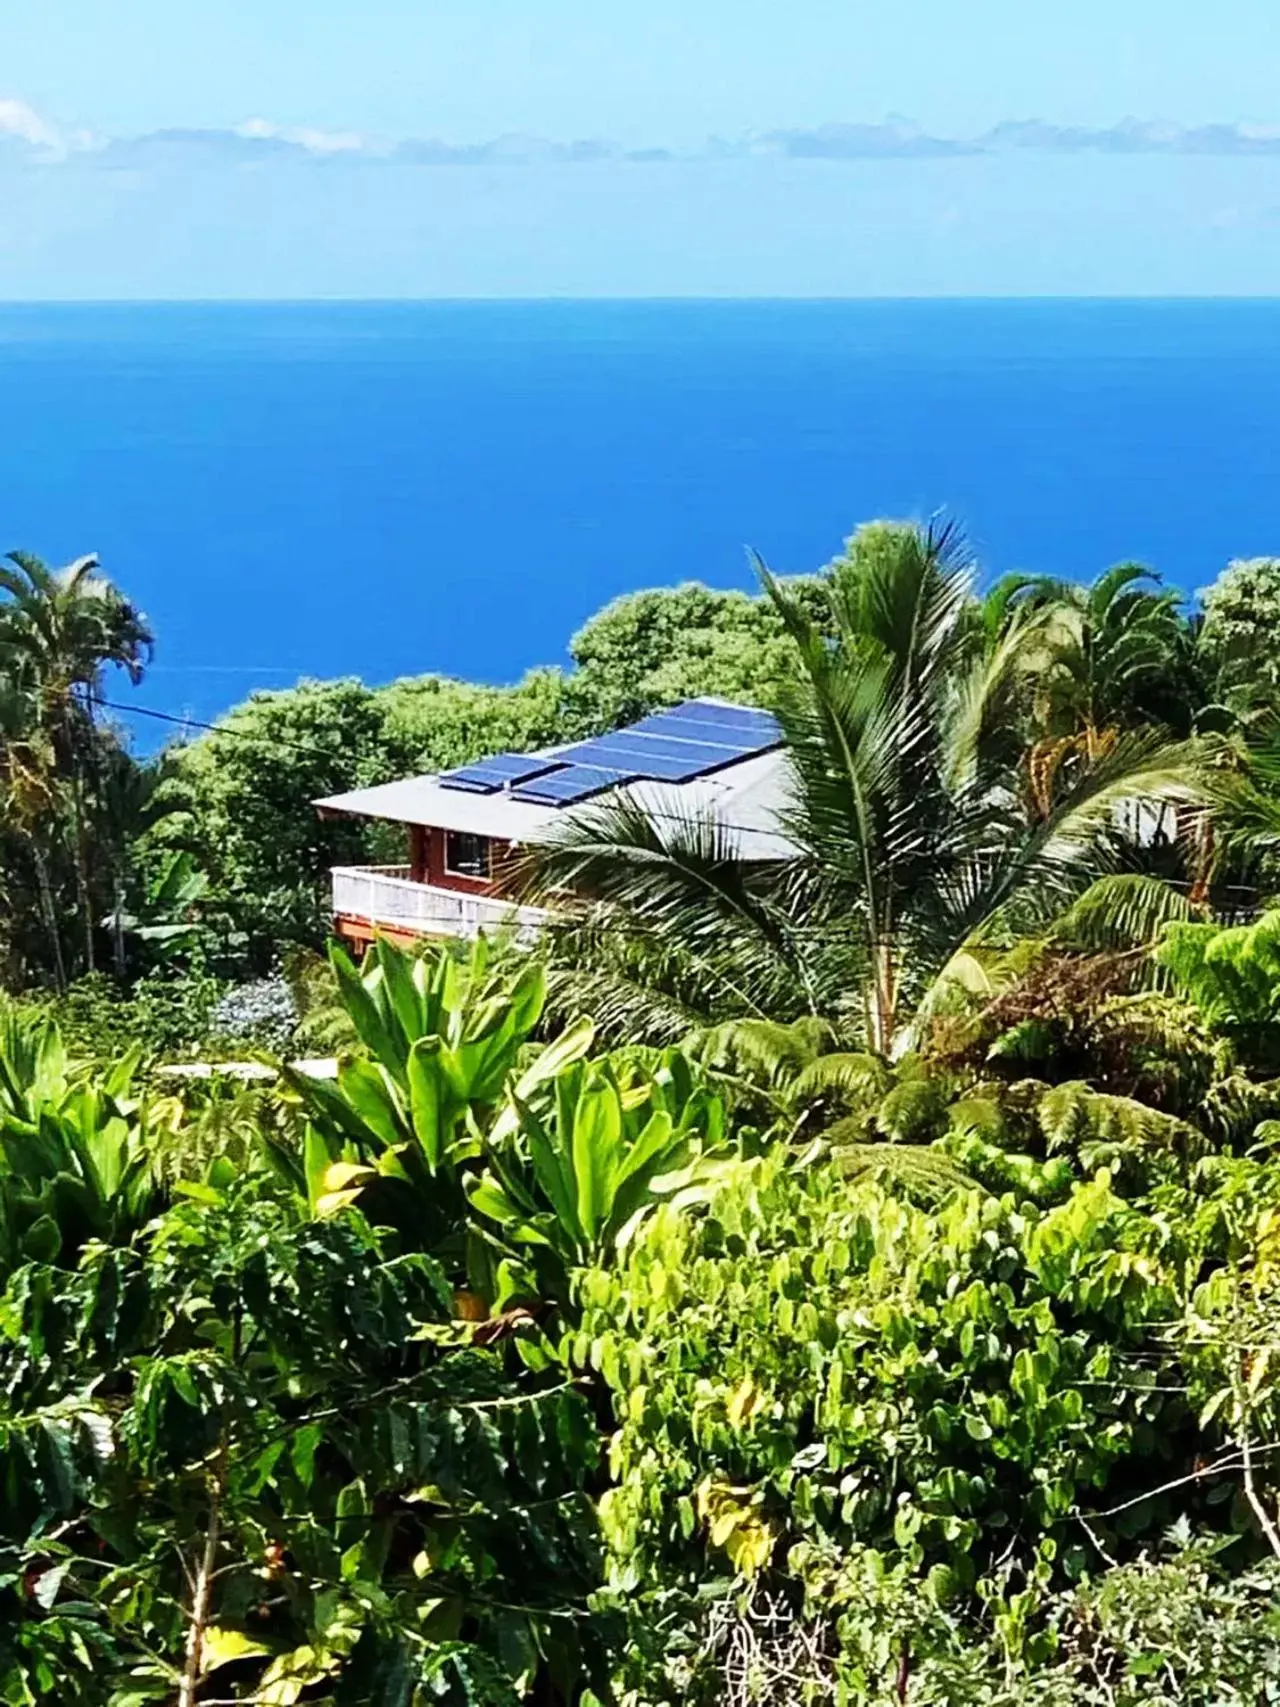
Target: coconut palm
1113, 655
60, 629
30, 811
67, 625
919, 848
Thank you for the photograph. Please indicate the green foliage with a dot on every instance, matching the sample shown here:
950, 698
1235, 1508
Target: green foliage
1237, 641
323, 1026
657, 648
591, 1149
442, 1037
431, 723
262, 1411
241, 801
811, 1371
925, 843
70, 797
891, 1314
165, 924
512, 1163
168, 1014
1232, 976
74, 1164
1117, 654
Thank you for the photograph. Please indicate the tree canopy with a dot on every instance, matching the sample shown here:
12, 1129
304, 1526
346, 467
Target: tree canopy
854, 1280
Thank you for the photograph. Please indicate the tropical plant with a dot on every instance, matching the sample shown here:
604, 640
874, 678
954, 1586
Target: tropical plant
404, 1121
923, 1425
576, 1164
59, 630
164, 922
1237, 641
74, 1162
253, 1459
1231, 974
921, 848
32, 800
1115, 655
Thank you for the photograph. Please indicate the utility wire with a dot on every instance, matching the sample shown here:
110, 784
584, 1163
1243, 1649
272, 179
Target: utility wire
216, 728
324, 753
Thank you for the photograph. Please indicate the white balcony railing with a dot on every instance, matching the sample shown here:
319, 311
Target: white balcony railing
386, 895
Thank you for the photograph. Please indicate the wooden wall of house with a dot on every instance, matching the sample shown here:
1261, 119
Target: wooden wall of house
418, 864
433, 870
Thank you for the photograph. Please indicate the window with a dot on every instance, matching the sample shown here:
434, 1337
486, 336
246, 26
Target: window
466, 855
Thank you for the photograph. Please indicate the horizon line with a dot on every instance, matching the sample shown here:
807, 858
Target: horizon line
571, 299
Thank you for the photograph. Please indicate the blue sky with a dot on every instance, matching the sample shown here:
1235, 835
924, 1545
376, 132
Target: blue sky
306, 183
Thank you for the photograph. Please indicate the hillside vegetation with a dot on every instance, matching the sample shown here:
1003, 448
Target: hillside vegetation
853, 1281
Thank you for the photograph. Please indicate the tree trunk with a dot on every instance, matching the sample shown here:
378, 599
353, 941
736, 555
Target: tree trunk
883, 1002
50, 915
83, 899
117, 929
203, 1595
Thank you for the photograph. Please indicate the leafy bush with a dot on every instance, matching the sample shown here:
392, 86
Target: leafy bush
166, 1014
251, 1454
812, 1377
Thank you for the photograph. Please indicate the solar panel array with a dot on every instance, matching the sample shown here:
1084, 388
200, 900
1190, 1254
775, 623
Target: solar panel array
487, 776
691, 740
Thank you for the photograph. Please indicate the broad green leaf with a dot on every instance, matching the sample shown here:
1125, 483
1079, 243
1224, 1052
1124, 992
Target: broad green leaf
222, 1646
372, 1094
554, 1172
366, 1016
571, 1045
429, 1100
597, 1135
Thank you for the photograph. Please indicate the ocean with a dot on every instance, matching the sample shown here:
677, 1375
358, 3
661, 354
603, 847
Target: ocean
386, 489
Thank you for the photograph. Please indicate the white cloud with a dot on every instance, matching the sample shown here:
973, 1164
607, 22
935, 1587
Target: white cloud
306, 136
258, 140
24, 124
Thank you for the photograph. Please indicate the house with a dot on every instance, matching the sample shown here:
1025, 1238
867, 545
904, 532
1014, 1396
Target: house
705, 758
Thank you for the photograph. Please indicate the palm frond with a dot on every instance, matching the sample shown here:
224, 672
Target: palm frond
981, 691
1121, 912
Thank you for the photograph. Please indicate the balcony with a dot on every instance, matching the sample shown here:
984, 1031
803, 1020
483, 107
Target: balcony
385, 896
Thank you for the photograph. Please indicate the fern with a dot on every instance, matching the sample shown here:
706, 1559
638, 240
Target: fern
857, 1079
1232, 974
922, 1168
1122, 912
1100, 1128
764, 1049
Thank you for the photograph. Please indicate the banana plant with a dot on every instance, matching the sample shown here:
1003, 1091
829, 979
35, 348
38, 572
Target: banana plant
74, 1161
575, 1168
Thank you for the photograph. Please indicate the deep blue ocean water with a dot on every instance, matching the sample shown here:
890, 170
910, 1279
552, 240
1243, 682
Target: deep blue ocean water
385, 489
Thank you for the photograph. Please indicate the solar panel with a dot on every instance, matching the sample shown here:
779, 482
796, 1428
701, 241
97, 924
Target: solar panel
737, 717
709, 736
663, 760
639, 761
573, 782
487, 776
690, 740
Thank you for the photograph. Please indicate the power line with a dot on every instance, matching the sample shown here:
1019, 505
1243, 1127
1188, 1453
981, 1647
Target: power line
216, 728
324, 753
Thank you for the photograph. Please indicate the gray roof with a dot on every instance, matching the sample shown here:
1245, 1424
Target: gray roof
745, 798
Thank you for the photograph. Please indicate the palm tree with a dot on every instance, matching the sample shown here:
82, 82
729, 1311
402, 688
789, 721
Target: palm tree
1114, 654
31, 800
59, 630
919, 848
